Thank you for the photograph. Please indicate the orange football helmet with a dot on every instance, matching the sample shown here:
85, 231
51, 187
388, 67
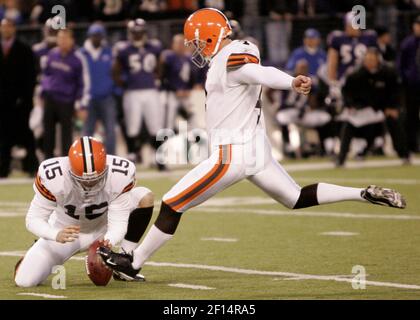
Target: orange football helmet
204, 30
88, 168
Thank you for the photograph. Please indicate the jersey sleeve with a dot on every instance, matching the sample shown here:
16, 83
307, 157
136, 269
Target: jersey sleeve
244, 53
118, 51
37, 217
118, 214
44, 201
40, 188
122, 174
49, 180
334, 40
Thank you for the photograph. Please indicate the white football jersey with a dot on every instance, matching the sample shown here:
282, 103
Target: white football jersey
54, 187
233, 111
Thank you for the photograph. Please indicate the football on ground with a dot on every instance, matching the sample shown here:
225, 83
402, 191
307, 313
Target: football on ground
96, 270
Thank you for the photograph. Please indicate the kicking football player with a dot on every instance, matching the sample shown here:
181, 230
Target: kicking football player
86, 196
240, 147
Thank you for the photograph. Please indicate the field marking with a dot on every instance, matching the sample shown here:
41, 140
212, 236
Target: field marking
349, 165
43, 295
310, 213
15, 204
8, 214
301, 276
219, 239
290, 167
361, 180
339, 233
218, 205
190, 286
283, 274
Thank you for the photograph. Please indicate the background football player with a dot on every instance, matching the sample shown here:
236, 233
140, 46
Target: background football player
346, 52
78, 199
240, 147
136, 69
41, 50
177, 81
346, 49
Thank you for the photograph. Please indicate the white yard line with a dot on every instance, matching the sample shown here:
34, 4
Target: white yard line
190, 286
221, 205
339, 233
361, 180
219, 239
283, 274
24, 204
290, 167
9, 214
43, 295
348, 215
349, 165
300, 276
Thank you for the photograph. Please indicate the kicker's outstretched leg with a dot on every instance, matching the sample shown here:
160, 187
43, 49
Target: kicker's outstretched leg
276, 182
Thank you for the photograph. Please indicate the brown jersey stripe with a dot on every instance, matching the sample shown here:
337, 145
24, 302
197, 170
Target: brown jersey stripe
245, 58
240, 62
129, 187
44, 191
238, 56
242, 54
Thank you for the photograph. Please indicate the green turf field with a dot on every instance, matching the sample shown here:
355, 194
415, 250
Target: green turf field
267, 252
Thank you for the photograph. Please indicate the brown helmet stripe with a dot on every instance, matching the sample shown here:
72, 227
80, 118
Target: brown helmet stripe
91, 154
84, 153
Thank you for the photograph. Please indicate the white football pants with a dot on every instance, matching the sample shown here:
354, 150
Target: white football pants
143, 104
229, 164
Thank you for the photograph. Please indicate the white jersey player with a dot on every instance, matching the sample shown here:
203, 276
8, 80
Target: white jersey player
79, 199
241, 149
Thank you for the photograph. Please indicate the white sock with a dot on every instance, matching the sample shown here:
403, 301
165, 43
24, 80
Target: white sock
327, 193
128, 246
151, 243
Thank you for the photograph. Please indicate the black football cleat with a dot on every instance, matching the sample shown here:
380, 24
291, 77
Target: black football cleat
120, 263
384, 196
138, 278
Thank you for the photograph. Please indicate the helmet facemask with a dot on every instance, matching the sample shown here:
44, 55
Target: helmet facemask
197, 56
90, 184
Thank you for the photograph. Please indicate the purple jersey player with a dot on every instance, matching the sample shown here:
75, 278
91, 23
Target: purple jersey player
135, 70
347, 48
48, 42
40, 51
138, 65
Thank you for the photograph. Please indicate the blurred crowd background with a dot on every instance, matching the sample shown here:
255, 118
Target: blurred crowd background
120, 71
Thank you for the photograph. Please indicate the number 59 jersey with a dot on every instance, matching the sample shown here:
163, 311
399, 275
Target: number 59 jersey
55, 189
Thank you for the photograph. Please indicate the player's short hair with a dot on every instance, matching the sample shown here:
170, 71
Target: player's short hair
380, 31
67, 31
